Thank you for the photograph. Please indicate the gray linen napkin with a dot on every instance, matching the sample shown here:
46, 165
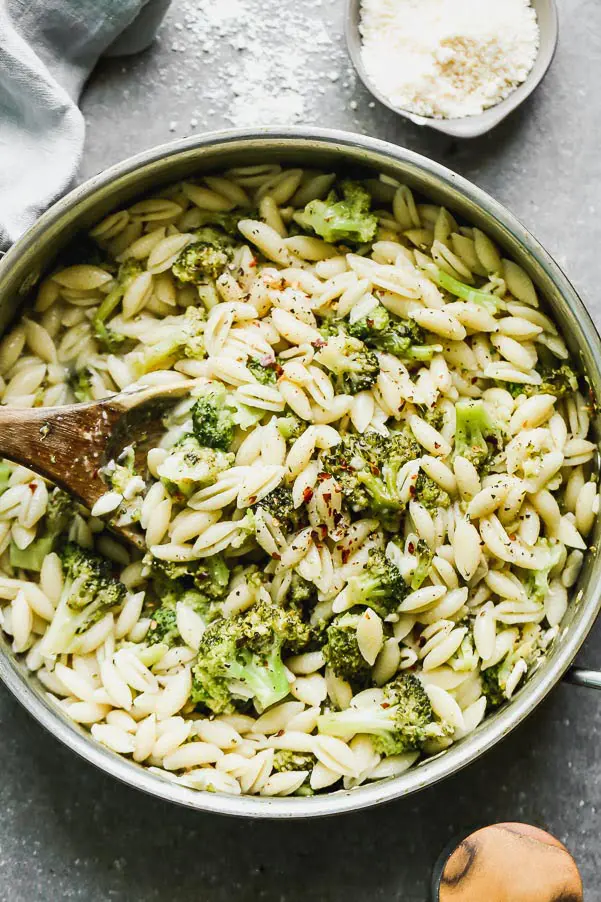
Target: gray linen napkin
47, 50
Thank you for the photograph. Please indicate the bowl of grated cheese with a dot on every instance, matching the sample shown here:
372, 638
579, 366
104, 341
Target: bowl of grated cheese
458, 66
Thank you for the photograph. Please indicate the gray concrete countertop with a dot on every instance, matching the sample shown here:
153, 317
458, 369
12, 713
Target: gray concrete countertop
70, 832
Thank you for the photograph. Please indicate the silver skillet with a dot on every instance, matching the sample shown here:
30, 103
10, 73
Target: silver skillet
25, 263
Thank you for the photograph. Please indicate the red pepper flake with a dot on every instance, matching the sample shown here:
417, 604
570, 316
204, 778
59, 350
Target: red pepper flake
318, 343
375, 471
327, 497
323, 476
307, 495
252, 499
32, 487
410, 547
345, 555
412, 490
276, 557
280, 733
385, 705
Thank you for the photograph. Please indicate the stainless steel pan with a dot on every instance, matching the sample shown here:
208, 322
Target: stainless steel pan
22, 267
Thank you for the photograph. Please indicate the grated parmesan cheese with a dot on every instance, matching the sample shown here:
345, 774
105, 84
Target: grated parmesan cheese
448, 58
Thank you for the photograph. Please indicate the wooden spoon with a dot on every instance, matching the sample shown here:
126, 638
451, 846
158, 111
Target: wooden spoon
70, 444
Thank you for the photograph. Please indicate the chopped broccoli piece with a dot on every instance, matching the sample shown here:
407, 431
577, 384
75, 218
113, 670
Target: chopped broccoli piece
56, 518
265, 369
467, 292
355, 368
80, 383
110, 340
163, 627
342, 652
221, 221
367, 468
424, 556
301, 594
402, 723
179, 336
536, 582
342, 216
403, 338
190, 465
285, 760
291, 427
477, 436
559, 380
429, 493
240, 658
212, 418
89, 592
279, 503
380, 585
493, 684
208, 578
202, 260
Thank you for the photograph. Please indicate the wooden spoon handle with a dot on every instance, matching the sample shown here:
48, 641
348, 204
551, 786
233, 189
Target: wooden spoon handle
510, 863
61, 443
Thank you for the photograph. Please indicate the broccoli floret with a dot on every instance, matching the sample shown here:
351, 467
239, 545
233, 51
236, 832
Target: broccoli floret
429, 493
110, 340
58, 513
202, 260
467, 292
477, 436
265, 369
403, 338
435, 417
493, 684
118, 474
380, 585
285, 760
342, 216
163, 627
559, 380
209, 576
190, 465
367, 467
80, 383
402, 723
342, 653
212, 418
291, 427
536, 582
301, 594
279, 503
221, 221
180, 336
355, 368
424, 556
240, 659
89, 592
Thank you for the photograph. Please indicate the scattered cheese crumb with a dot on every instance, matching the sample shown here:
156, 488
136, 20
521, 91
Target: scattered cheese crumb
446, 59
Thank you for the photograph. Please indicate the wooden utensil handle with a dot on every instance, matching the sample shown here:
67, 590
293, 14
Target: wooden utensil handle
57, 443
510, 861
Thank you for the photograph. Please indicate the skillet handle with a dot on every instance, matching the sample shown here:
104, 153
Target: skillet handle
578, 676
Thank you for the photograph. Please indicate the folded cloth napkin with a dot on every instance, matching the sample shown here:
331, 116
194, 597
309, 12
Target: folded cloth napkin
47, 50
